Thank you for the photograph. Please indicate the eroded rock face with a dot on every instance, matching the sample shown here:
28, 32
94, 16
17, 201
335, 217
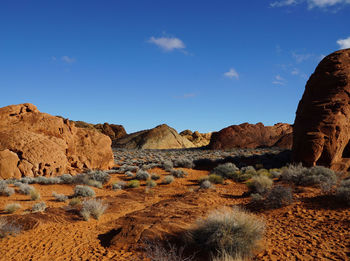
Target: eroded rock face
322, 123
248, 135
160, 137
198, 139
113, 131
48, 145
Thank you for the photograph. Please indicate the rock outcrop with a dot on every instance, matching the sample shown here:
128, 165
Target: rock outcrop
111, 130
322, 124
34, 143
160, 137
198, 139
248, 135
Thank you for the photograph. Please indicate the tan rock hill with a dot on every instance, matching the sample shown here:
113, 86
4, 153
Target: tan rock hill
248, 135
34, 143
160, 137
198, 139
111, 130
322, 126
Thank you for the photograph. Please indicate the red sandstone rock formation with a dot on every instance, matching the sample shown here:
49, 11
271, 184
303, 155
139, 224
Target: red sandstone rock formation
111, 130
34, 143
322, 125
248, 135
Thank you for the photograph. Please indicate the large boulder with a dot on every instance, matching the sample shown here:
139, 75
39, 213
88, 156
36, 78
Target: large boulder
160, 137
248, 135
35, 143
322, 122
198, 139
113, 131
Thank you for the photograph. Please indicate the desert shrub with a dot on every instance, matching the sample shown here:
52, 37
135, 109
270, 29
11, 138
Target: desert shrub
118, 185
74, 202
256, 198
99, 176
216, 179
278, 197
94, 183
25, 189
183, 163
129, 174
11, 208
206, 184
151, 183
264, 172
155, 176
27, 180
39, 207
157, 251
202, 179
275, 173
318, 175
259, 184
66, 179
47, 180
142, 175
7, 228
343, 191
5, 190
226, 170
178, 173
34, 194
168, 179
59, 197
226, 257
167, 165
83, 191
133, 183
94, 208
233, 231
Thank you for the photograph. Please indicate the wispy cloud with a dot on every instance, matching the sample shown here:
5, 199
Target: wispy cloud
279, 80
295, 71
301, 57
323, 4
344, 43
68, 59
232, 73
168, 43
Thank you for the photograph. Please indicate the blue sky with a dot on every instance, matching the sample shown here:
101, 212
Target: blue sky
200, 65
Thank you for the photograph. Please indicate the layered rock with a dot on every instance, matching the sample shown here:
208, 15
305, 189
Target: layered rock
322, 125
160, 137
34, 143
248, 135
113, 131
198, 139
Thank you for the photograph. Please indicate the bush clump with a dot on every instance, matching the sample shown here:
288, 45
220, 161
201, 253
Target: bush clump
155, 176
151, 183
168, 179
59, 197
343, 191
7, 228
278, 197
34, 194
94, 208
74, 202
259, 184
142, 175
216, 179
5, 190
227, 170
232, 231
83, 191
24, 188
167, 165
178, 173
12, 208
206, 184
39, 207
98, 175
133, 183
119, 185
183, 163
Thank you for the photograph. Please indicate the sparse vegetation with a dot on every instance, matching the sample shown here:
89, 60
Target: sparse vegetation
227, 170
92, 207
142, 175
24, 188
232, 231
119, 185
178, 173
5, 190
155, 176
133, 183
260, 184
39, 207
206, 184
168, 179
216, 179
83, 191
59, 197
151, 183
343, 191
74, 202
278, 197
34, 194
12, 208
8, 228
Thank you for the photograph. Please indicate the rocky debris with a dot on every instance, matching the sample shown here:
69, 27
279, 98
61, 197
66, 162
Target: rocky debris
322, 127
248, 135
160, 137
111, 130
34, 143
198, 139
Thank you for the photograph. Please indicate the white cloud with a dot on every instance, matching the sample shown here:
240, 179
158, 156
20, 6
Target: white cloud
299, 57
232, 73
279, 80
310, 3
344, 43
167, 43
295, 71
68, 59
